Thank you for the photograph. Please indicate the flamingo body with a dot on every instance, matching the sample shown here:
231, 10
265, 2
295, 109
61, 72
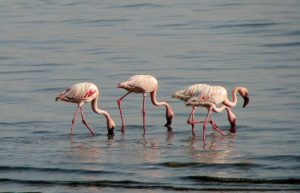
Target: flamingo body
80, 94
139, 84
144, 84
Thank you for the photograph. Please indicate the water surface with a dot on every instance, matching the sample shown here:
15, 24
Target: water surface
47, 46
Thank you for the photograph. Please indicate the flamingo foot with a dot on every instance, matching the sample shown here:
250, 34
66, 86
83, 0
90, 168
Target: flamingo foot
233, 126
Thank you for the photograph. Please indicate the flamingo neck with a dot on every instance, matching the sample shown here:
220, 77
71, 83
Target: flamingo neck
110, 123
218, 109
169, 111
233, 101
231, 119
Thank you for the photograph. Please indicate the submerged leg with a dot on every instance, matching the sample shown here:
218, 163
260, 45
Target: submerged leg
119, 105
204, 126
144, 112
84, 122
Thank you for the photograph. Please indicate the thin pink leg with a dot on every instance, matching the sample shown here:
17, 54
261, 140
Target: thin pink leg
73, 120
204, 126
144, 112
191, 120
215, 126
119, 105
84, 122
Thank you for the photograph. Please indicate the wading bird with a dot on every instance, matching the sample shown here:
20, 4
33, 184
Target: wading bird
82, 93
203, 93
144, 84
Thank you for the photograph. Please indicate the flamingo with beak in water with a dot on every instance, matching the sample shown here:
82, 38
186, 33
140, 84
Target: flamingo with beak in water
208, 96
80, 94
144, 84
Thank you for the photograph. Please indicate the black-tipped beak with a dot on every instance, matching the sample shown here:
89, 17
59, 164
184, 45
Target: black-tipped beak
169, 122
246, 101
110, 132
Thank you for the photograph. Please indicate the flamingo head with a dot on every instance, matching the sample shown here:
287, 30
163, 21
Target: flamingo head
110, 127
244, 93
169, 117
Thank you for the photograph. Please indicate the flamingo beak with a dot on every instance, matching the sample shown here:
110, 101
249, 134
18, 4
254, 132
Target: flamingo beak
246, 101
110, 132
169, 121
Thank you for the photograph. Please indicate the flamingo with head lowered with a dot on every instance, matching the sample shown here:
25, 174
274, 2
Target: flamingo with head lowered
144, 84
210, 96
80, 94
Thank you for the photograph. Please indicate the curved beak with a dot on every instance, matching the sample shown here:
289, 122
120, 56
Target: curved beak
110, 131
246, 101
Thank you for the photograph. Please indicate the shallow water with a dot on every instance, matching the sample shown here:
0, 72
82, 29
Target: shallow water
47, 46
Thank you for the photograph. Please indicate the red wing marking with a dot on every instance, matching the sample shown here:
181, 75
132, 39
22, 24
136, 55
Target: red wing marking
89, 93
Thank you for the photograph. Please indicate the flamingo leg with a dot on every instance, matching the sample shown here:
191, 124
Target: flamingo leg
84, 122
144, 112
119, 105
204, 126
191, 119
73, 120
215, 126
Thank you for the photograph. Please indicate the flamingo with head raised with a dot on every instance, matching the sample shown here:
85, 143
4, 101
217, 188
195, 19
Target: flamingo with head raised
80, 94
144, 84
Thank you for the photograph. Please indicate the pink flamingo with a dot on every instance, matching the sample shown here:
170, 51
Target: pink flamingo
203, 93
82, 93
144, 84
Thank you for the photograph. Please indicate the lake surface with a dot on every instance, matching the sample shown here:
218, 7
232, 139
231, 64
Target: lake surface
47, 46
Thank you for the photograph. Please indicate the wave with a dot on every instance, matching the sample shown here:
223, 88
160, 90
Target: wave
127, 184
100, 183
54, 170
291, 181
245, 25
214, 165
286, 44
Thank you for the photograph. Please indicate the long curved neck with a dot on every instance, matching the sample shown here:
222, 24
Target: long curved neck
218, 109
109, 121
169, 111
233, 101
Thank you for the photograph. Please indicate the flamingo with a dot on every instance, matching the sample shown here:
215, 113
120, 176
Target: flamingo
203, 93
82, 93
144, 84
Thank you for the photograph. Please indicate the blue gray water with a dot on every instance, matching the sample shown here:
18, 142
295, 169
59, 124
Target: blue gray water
47, 46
